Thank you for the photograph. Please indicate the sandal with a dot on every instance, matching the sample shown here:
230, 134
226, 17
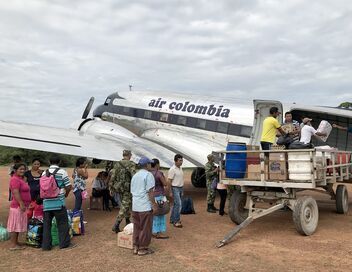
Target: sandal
145, 251
17, 248
160, 236
178, 225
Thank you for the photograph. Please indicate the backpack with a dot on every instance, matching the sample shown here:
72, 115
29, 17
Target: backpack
121, 180
49, 188
187, 206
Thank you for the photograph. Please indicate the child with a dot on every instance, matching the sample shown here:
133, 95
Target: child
35, 209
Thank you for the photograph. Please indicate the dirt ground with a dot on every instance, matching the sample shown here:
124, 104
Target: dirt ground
268, 244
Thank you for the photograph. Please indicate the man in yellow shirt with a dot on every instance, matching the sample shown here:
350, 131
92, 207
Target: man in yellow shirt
270, 125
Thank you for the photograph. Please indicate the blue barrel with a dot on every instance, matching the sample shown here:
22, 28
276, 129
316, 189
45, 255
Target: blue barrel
236, 163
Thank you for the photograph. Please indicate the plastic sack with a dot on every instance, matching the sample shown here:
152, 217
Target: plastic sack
324, 127
54, 233
77, 222
4, 234
128, 229
35, 233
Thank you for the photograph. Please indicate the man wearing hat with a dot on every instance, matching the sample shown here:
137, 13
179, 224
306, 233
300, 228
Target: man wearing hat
142, 186
120, 183
211, 172
308, 131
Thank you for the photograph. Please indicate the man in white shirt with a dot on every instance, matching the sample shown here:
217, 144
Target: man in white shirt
175, 177
308, 131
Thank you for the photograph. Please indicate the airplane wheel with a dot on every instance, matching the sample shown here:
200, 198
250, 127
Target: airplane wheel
305, 215
237, 211
198, 178
341, 199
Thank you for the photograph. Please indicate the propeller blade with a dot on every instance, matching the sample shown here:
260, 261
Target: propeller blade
88, 108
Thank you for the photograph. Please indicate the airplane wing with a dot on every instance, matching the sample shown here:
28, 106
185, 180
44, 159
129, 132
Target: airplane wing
96, 139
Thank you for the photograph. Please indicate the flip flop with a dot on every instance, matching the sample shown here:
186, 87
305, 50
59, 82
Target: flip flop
145, 251
17, 248
178, 225
161, 237
135, 250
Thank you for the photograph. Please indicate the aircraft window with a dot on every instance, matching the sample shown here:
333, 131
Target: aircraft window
222, 127
191, 122
182, 120
246, 131
147, 114
211, 125
155, 116
201, 123
163, 117
107, 101
126, 110
234, 129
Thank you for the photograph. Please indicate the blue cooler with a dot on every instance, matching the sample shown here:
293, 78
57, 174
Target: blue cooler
236, 163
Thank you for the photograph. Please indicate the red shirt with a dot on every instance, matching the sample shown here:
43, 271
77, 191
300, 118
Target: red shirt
17, 182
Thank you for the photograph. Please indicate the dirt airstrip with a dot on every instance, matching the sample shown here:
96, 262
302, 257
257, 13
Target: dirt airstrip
268, 244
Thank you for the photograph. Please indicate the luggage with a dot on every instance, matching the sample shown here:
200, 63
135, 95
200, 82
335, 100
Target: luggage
4, 234
162, 207
77, 222
35, 233
54, 229
187, 206
49, 187
54, 233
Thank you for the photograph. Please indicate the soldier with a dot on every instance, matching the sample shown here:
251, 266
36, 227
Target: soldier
211, 172
121, 183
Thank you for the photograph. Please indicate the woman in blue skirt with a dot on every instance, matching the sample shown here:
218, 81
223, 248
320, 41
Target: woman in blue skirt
159, 221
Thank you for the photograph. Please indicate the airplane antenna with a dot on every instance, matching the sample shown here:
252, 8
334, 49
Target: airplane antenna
130, 87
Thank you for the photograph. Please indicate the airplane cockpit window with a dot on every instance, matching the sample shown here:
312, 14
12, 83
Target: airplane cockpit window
222, 127
182, 120
201, 123
107, 101
234, 129
163, 117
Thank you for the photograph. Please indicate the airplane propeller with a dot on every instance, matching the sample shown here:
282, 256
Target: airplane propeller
88, 108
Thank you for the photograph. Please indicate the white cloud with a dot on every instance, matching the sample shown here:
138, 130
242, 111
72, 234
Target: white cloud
62, 52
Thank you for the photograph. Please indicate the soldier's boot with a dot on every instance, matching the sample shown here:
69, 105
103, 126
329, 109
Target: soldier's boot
116, 227
127, 220
214, 208
210, 209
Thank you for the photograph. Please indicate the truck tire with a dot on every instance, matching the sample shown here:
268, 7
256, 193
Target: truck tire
305, 215
237, 212
341, 199
198, 178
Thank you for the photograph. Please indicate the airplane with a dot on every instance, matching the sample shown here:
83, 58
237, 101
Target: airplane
159, 125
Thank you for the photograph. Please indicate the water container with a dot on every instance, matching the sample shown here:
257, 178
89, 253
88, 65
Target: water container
235, 163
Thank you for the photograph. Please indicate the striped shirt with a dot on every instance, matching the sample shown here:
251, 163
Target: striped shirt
63, 181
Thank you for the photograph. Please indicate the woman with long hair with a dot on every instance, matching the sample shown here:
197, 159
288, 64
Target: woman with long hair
21, 198
80, 175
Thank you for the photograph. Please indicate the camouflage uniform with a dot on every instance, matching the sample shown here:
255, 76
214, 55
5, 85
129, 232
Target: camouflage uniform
125, 194
209, 167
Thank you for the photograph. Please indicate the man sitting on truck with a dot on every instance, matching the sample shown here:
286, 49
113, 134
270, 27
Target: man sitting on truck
270, 125
307, 131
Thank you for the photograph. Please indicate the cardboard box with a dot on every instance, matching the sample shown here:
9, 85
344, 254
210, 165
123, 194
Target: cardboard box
277, 166
125, 240
254, 172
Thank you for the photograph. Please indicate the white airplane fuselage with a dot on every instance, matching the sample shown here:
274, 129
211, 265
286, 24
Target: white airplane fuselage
191, 125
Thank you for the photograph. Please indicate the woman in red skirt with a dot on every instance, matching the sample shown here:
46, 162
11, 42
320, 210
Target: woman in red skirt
21, 198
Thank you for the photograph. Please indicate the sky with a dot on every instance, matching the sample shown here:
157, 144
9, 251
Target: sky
55, 55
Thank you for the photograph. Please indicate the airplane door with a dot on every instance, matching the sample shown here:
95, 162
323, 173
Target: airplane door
261, 111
